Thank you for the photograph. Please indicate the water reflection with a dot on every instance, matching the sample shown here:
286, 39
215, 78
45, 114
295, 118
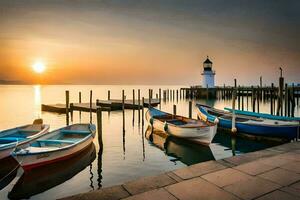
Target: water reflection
37, 101
46, 177
8, 171
180, 149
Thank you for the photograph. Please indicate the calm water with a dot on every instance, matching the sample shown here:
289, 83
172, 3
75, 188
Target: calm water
123, 158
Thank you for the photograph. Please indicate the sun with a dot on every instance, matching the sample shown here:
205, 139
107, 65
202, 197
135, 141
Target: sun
39, 67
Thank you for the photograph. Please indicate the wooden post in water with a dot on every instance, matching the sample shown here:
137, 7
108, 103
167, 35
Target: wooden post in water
133, 103
173, 95
293, 101
190, 109
247, 93
159, 96
233, 128
177, 95
149, 105
258, 99
280, 96
271, 98
99, 126
238, 97
174, 109
286, 95
143, 101
80, 102
123, 109
108, 95
139, 104
253, 99
91, 100
67, 106
242, 98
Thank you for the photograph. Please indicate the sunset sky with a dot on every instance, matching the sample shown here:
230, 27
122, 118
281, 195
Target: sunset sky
149, 41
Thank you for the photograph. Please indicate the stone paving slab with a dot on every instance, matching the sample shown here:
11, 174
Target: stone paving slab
254, 167
281, 176
198, 188
251, 188
292, 166
278, 195
291, 191
249, 157
148, 183
275, 161
198, 169
109, 193
159, 194
226, 177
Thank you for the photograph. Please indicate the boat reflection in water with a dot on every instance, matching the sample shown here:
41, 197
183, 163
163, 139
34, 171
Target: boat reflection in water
8, 171
43, 178
182, 150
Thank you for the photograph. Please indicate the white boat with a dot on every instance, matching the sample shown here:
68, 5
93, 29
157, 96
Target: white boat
20, 136
57, 145
182, 127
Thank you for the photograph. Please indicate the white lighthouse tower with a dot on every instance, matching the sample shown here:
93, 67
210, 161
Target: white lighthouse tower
208, 79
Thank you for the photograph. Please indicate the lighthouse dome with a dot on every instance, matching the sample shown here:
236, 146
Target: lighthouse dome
207, 65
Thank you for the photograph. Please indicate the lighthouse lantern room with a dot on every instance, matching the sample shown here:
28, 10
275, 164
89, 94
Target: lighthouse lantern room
208, 79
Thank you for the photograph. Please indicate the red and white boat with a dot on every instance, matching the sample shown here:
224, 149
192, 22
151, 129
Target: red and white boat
57, 145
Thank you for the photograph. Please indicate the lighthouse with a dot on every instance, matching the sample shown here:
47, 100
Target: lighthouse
208, 75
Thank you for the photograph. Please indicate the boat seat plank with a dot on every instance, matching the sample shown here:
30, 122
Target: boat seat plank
56, 141
65, 131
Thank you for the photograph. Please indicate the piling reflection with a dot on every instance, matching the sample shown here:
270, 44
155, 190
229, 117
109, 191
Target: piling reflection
180, 149
43, 178
8, 171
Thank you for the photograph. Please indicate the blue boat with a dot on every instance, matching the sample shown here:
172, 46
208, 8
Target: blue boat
263, 115
250, 124
20, 136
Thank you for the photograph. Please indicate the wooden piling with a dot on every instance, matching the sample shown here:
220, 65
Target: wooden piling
190, 109
253, 99
91, 101
99, 126
174, 109
159, 96
286, 102
143, 101
80, 102
233, 128
139, 105
123, 109
280, 96
150, 96
67, 106
271, 98
258, 99
108, 95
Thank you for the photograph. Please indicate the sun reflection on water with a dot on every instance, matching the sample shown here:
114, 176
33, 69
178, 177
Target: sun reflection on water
37, 101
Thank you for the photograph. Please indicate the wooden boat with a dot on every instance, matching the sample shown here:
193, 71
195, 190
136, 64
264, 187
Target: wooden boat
55, 146
264, 115
43, 178
182, 127
19, 136
250, 124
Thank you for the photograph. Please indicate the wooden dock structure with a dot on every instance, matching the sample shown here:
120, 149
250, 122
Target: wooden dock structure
106, 105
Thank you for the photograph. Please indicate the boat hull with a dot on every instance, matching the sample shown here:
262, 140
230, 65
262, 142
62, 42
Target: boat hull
256, 129
31, 161
203, 135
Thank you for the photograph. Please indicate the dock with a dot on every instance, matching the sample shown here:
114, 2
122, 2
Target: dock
106, 105
271, 173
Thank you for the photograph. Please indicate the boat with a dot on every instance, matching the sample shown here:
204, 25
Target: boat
45, 177
250, 124
20, 136
263, 115
182, 127
57, 145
